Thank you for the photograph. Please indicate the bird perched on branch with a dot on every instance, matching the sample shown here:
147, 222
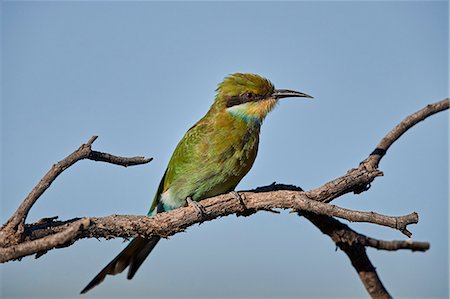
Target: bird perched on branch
211, 158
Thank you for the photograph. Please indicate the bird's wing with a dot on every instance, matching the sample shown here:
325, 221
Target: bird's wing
154, 207
185, 154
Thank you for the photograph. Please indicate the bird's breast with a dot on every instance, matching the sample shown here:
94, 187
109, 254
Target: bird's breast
211, 160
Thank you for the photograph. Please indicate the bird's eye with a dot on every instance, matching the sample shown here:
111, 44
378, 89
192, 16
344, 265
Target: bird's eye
249, 95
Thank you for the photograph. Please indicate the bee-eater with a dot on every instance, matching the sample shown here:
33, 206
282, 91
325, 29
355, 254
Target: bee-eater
211, 158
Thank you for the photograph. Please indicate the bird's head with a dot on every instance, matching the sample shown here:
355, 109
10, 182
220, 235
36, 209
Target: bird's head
249, 96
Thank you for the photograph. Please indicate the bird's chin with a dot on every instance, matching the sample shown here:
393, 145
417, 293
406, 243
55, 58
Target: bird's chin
263, 107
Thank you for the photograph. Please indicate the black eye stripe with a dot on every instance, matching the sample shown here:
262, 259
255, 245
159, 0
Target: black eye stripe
244, 98
233, 101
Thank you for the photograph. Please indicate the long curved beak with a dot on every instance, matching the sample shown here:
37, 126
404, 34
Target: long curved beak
286, 93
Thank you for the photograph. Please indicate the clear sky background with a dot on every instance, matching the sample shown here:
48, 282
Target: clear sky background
139, 74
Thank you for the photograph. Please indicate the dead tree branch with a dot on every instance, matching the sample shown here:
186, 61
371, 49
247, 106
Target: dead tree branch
175, 221
352, 243
12, 230
406, 124
63, 238
18, 239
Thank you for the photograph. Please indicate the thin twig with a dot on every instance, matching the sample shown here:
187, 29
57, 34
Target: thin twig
121, 161
378, 153
393, 245
397, 222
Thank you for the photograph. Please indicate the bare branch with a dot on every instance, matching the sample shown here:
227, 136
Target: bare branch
394, 245
121, 161
348, 241
175, 221
341, 232
11, 232
397, 222
402, 127
62, 239
356, 180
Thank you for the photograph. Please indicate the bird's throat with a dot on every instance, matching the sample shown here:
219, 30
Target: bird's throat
253, 111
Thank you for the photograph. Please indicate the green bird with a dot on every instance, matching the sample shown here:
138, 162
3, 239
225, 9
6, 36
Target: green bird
211, 159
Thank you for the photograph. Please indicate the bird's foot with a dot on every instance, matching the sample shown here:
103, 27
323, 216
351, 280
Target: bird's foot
198, 207
241, 198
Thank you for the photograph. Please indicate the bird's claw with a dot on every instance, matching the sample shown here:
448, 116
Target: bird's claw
198, 207
241, 198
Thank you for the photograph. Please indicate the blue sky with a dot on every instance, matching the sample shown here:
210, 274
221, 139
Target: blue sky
139, 74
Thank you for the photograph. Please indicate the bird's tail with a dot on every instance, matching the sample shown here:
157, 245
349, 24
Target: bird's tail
133, 256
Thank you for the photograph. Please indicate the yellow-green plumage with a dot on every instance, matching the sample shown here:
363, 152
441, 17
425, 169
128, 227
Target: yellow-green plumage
211, 158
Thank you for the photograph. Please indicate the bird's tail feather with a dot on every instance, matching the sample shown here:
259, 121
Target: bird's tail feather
133, 255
